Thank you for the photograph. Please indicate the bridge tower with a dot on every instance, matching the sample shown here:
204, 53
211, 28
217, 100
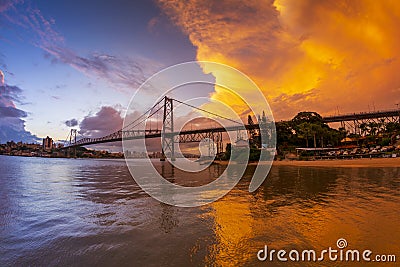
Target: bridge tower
72, 140
168, 139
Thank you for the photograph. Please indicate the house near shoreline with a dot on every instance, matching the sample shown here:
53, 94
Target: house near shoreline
316, 150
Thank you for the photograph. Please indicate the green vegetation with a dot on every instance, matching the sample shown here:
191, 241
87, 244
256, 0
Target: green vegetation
36, 150
308, 130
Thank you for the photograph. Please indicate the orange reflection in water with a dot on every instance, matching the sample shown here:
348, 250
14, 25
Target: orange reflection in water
307, 208
233, 229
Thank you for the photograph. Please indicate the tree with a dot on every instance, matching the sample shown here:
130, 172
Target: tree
317, 130
392, 127
304, 131
343, 132
373, 127
363, 128
307, 116
284, 132
228, 149
310, 124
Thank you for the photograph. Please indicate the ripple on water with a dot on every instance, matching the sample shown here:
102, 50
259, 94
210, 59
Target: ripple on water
91, 212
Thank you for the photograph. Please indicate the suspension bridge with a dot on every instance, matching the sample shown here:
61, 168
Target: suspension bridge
166, 130
169, 136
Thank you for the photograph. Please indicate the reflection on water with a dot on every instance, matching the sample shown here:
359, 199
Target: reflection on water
91, 212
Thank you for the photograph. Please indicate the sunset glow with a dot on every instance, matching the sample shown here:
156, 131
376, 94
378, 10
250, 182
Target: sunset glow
305, 55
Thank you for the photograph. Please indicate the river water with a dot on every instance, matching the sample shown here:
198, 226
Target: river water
79, 212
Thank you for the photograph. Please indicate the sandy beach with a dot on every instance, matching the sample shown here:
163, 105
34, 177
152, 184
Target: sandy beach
374, 162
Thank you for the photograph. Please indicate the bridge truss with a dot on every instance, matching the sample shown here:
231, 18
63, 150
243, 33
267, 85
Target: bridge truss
356, 122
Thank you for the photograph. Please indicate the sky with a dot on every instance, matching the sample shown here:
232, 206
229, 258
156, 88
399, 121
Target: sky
76, 64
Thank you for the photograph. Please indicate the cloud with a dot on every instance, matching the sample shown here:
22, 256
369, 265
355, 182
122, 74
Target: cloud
120, 73
106, 121
71, 123
345, 53
14, 130
12, 125
9, 94
6, 4
1, 78
11, 112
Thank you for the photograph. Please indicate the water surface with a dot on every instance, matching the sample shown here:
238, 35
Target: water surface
90, 212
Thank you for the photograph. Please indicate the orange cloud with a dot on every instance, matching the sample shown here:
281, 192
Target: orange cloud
304, 55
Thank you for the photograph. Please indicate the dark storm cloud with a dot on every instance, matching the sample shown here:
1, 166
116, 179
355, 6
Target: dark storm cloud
12, 126
9, 95
71, 123
12, 112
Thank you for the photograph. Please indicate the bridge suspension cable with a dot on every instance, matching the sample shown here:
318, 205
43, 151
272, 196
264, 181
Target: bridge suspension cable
143, 120
66, 139
141, 116
155, 112
209, 112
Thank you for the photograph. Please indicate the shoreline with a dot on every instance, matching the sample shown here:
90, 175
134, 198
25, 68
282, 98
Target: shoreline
349, 163
363, 162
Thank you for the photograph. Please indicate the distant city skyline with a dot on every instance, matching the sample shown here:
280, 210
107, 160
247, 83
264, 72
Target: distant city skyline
75, 64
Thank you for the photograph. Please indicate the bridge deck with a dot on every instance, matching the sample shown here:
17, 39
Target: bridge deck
135, 135
362, 116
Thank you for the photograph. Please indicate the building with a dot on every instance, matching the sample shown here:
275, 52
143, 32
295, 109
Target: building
47, 144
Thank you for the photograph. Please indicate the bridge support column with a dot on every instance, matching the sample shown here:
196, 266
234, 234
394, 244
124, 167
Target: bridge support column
217, 138
168, 138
